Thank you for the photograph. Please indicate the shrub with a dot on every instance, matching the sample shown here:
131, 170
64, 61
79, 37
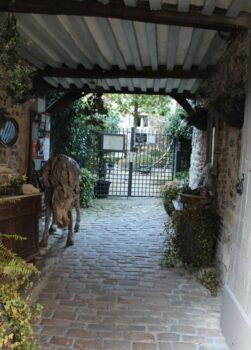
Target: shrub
15, 310
169, 193
87, 182
197, 228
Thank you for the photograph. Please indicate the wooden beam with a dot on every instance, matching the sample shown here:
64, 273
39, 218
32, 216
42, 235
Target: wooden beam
182, 101
117, 9
130, 72
137, 91
64, 101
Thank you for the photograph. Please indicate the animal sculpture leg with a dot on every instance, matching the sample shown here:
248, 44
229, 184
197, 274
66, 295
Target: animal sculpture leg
77, 207
44, 242
52, 228
70, 231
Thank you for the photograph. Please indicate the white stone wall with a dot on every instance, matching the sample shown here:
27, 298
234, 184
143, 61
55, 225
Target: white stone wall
236, 252
198, 157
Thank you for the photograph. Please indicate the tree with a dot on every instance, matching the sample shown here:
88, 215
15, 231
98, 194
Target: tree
175, 128
73, 127
123, 104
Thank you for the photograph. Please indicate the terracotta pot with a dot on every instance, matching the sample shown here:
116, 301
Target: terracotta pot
194, 199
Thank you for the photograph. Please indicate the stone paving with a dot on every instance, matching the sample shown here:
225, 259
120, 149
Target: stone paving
108, 292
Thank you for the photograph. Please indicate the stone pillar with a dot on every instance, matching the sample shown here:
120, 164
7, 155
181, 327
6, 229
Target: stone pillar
198, 156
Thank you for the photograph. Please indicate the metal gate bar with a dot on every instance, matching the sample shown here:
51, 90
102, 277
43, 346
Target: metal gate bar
144, 166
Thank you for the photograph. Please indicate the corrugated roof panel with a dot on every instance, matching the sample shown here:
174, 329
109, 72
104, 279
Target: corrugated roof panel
104, 37
156, 85
235, 8
140, 29
143, 85
104, 84
130, 2
136, 83
63, 82
196, 85
149, 83
122, 41
132, 42
56, 33
172, 84
32, 32
183, 5
190, 83
187, 84
162, 43
52, 81
173, 39
208, 7
193, 48
215, 50
82, 37
152, 45
155, 4
111, 42
185, 36
206, 40
27, 55
162, 84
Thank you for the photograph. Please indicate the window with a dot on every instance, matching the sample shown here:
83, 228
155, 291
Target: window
145, 119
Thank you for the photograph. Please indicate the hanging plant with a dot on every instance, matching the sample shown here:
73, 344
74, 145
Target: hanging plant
95, 104
15, 74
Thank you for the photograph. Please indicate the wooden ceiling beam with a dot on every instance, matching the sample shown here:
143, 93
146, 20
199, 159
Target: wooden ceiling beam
64, 101
137, 91
130, 72
142, 13
182, 101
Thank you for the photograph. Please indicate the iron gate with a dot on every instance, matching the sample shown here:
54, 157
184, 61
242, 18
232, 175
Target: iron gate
140, 169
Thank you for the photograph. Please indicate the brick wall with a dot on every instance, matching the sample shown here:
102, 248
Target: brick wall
198, 156
16, 156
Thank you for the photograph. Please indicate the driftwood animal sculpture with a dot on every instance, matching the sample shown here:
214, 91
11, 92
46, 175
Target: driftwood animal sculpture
61, 182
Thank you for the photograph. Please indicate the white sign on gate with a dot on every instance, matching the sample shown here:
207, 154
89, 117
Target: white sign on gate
113, 142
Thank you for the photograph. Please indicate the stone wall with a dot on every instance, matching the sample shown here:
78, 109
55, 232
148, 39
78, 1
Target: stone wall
198, 156
16, 156
228, 165
235, 248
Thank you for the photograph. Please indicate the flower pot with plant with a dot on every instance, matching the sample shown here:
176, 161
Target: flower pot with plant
16, 311
196, 231
194, 196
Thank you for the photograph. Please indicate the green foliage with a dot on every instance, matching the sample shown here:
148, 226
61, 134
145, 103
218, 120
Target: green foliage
169, 193
209, 279
187, 190
170, 256
183, 176
15, 74
135, 104
87, 183
174, 128
73, 128
13, 186
16, 312
196, 228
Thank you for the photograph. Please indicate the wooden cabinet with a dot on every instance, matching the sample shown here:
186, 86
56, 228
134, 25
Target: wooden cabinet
20, 216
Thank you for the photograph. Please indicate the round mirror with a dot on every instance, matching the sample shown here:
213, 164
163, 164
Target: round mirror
8, 134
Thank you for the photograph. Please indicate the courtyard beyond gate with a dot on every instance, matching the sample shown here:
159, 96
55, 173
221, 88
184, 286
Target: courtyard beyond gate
108, 292
134, 162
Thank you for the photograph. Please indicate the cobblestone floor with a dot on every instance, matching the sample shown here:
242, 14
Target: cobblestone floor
108, 291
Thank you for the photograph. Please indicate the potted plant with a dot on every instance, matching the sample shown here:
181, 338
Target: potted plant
16, 312
169, 193
194, 196
196, 230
